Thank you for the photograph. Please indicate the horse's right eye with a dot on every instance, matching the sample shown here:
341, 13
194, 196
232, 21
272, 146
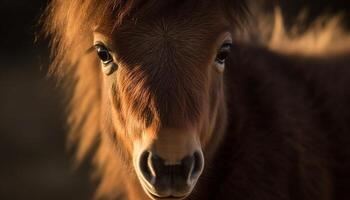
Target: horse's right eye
223, 53
103, 53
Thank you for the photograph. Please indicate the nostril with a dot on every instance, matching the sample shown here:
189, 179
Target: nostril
144, 166
150, 166
198, 165
187, 166
192, 166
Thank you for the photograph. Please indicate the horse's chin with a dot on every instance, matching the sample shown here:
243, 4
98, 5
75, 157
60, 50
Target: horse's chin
154, 196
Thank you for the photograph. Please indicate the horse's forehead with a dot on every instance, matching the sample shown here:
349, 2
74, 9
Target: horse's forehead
178, 28
180, 37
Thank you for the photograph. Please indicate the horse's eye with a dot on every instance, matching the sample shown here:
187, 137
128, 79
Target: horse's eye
223, 53
103, 53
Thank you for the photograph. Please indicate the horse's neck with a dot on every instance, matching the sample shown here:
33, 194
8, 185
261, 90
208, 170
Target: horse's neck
273, 98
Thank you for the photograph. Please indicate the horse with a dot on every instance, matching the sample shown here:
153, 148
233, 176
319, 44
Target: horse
194, 100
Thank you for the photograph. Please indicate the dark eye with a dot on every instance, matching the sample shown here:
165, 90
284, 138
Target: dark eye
103, 53
223, 53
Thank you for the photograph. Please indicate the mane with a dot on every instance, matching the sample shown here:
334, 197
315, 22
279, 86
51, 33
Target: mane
324, 37
69, 25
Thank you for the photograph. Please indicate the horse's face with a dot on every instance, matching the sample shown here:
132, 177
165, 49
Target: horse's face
163, 94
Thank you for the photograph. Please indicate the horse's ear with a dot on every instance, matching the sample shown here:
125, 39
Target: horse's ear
235, 10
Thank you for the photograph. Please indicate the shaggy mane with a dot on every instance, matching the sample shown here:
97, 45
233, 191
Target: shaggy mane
324, 37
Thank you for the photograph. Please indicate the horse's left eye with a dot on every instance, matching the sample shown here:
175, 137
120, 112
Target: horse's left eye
223, 53
103, 53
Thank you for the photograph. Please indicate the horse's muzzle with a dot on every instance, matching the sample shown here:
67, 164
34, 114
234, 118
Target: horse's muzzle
175, 181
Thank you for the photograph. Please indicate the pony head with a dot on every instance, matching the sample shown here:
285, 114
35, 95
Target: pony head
152, 94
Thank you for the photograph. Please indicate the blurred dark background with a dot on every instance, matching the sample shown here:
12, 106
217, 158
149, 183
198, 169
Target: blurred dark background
34, 163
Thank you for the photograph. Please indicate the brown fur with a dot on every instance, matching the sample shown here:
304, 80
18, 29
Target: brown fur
287, 110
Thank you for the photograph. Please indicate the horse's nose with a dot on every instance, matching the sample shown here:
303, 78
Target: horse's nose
171, 179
